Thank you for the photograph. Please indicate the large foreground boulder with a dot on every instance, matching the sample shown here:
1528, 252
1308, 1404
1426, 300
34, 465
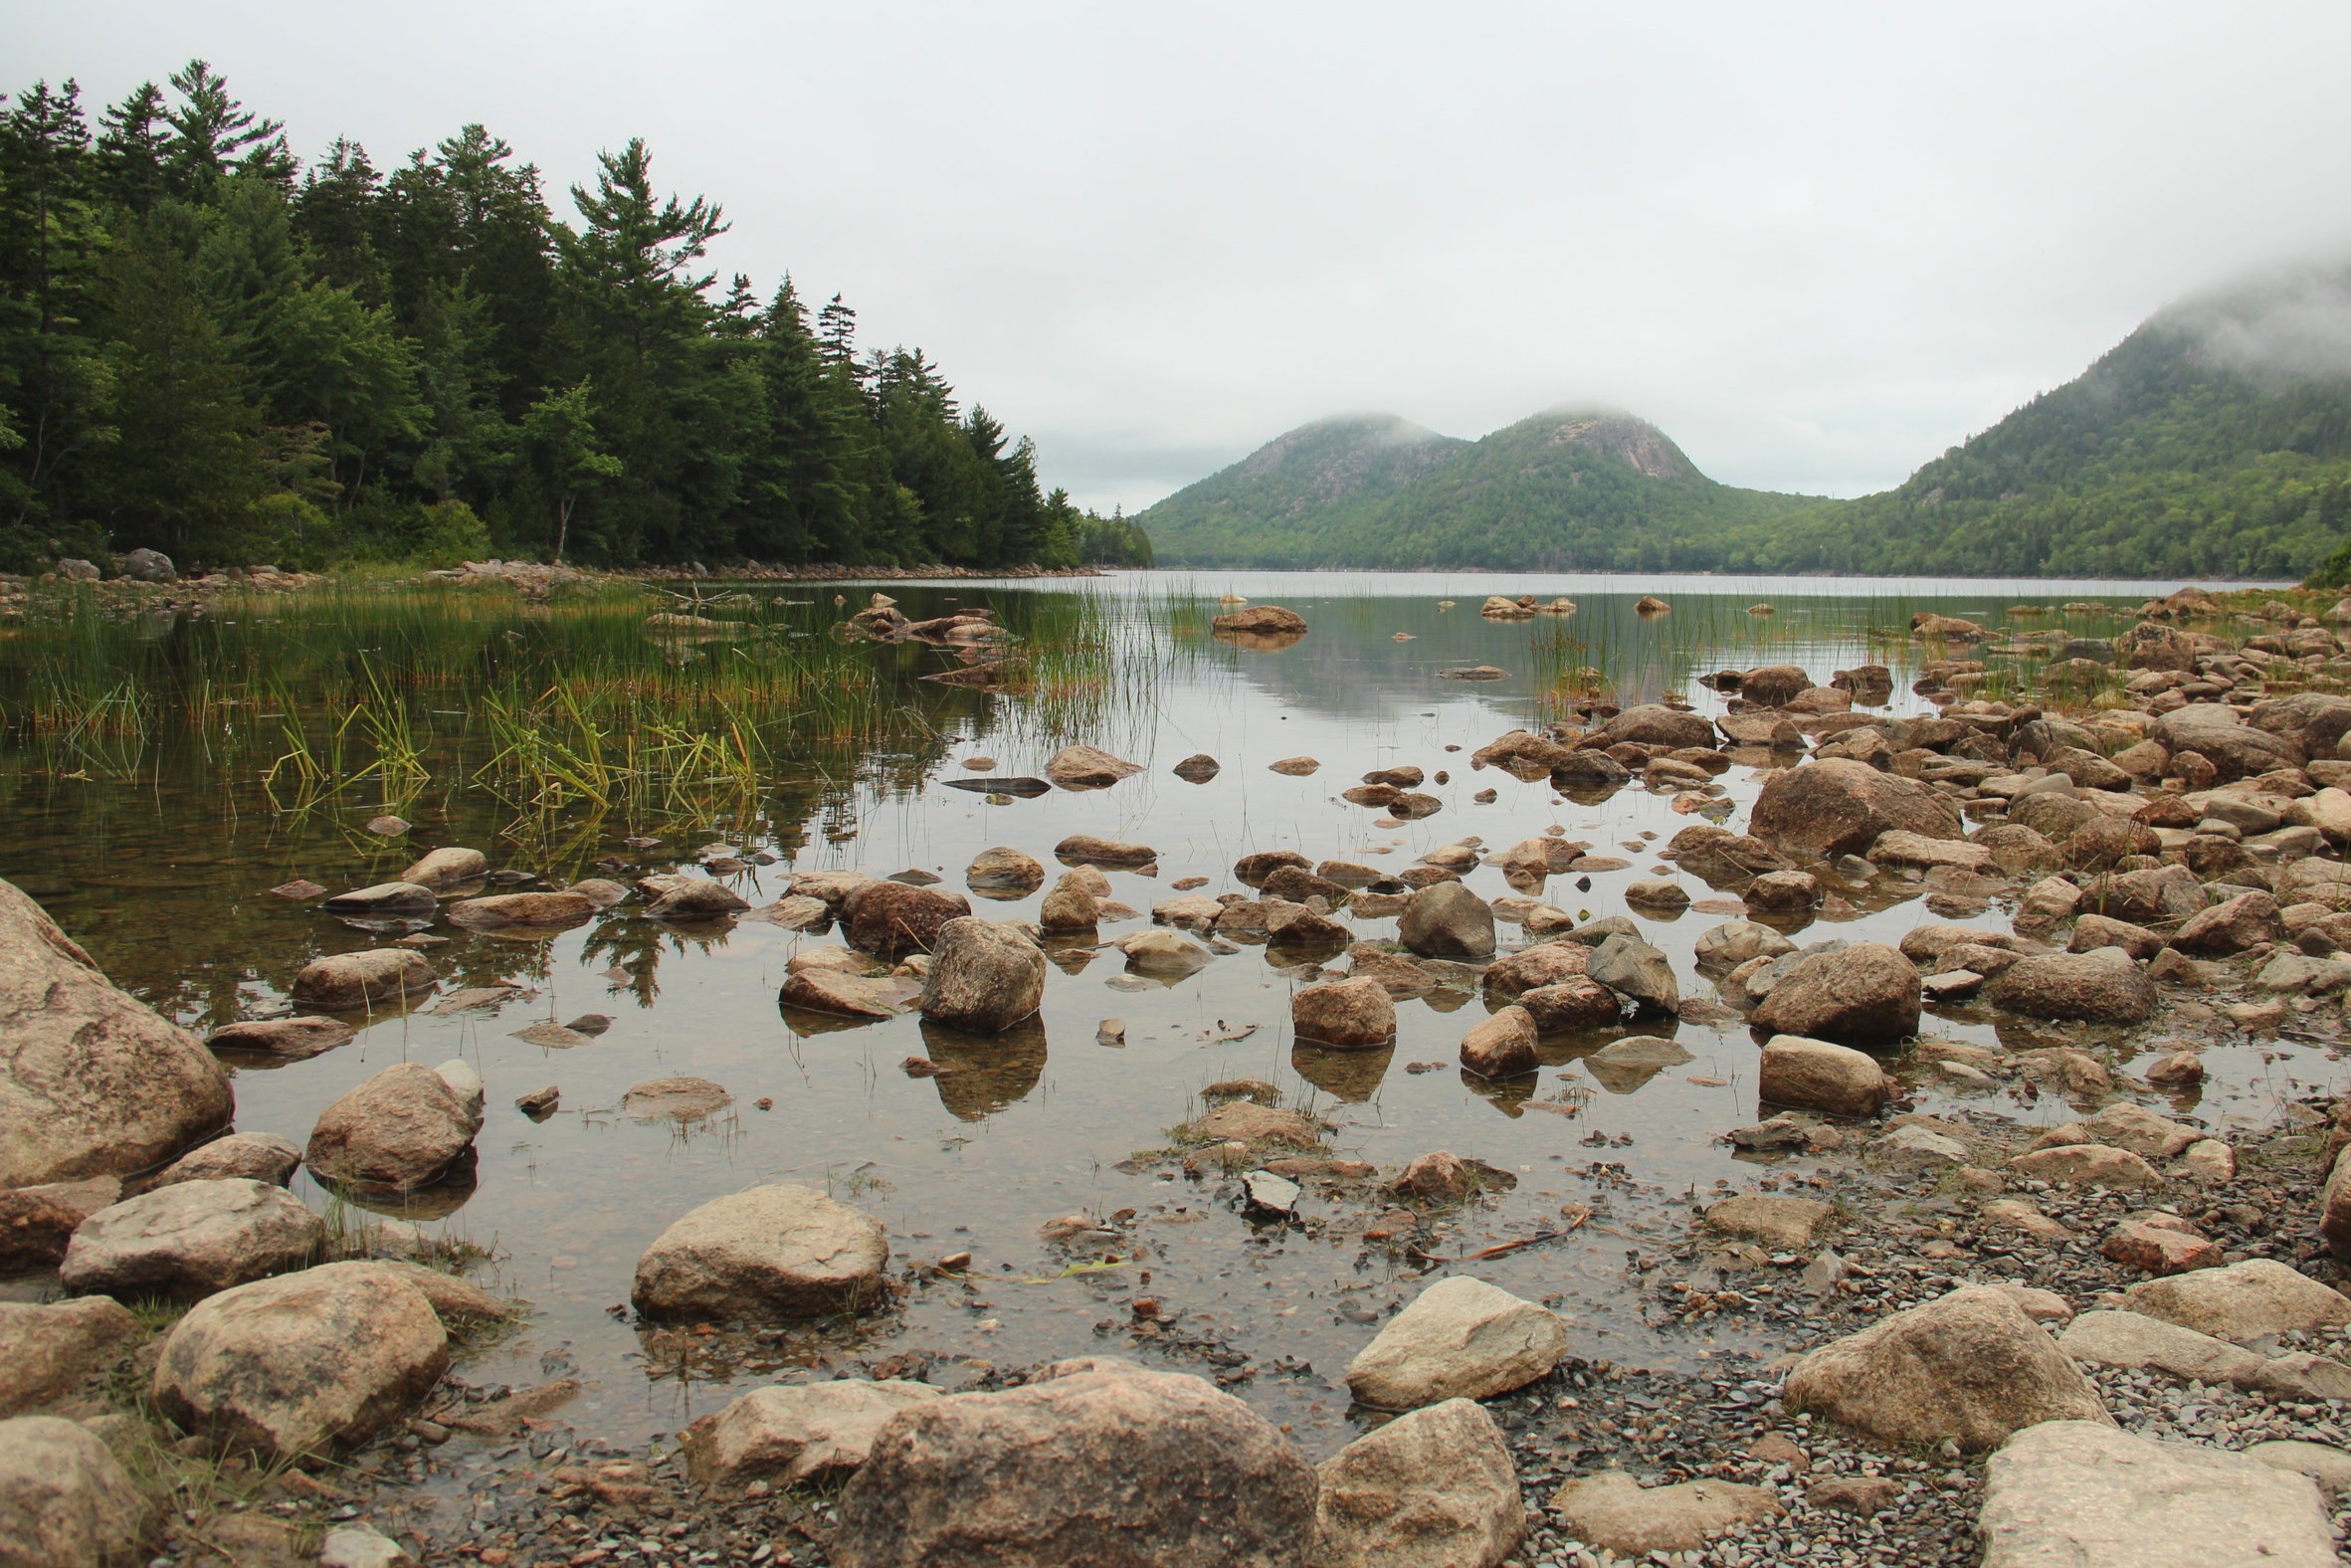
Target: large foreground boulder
399, 1130
1840, 807
1969, 1367
1111, 1468
93, 1081
1435, 1489
984, 977
2079, 1492
1863, 995
1462, 1338
65, 1501
791, 1435
191, 1239
303, 1365
769, 1253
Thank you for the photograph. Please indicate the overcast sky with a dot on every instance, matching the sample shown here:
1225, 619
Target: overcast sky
1816, 242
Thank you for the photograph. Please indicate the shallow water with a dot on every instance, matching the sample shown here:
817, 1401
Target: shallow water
161, 871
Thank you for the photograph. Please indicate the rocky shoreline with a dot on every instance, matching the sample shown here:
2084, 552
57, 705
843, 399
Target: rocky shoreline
1932, 1337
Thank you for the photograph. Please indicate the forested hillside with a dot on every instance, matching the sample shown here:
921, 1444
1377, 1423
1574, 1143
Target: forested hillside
1572, 489
2214, 440
210, 348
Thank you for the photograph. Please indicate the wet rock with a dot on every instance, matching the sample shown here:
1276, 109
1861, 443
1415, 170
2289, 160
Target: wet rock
2245, 1300
833, 888
984, 977
1089, 767
1636, 971
1659, 893
1571, 1005
189, 1239
2100, 986
840, 994
1070, 906
356, 982
1817, 1075
1355, 1014
523, 908
1865, 994
1085, 849
93, 1081
789, 1435
681, 1099
1544, 964
1197, 769
2079, 1492
1653, 724
47, 1351
1734, 942
305, 1036
2088, 1165
1502, 1046
302, 1365
890, 919
1117, 1468
1163, 953
1614, 1511
2093, 932
1721, 857
1968, 1367
36, 1222
383, 900
1461, 1338
446, 868
1447, 921
1255, 869
602, 893
2231, 926
1839, 807
674, 897
1770, 1220
1623, 1065
399, 1130
1294, 767
1244, 1122
65, 1501
1433, 1489
1004, 869
768, 1253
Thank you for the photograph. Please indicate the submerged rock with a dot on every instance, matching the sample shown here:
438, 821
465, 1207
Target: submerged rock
281, 1036
446, 868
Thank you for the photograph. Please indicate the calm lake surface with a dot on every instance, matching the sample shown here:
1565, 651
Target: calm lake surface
156, 852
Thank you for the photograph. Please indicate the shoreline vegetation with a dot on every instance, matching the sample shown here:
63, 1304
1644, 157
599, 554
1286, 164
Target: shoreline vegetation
212, 349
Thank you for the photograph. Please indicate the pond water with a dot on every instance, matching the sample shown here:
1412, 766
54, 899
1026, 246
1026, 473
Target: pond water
155, 848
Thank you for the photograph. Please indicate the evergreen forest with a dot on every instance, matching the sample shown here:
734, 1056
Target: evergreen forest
212, 348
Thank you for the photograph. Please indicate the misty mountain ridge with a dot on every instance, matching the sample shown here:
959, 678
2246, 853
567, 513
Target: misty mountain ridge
2214, 439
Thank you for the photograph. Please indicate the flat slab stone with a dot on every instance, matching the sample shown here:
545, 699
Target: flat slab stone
2068, 1493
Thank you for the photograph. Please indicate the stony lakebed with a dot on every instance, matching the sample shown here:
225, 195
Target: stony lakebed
1311, 1070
